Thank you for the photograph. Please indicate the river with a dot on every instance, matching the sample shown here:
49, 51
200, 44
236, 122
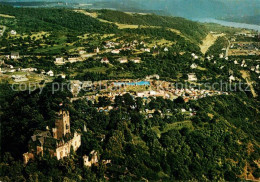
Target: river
229, 24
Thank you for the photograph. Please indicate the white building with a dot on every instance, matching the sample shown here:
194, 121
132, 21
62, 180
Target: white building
147, 50
74, 59
105, 60
82, 52
232, 78
50, 73
194, 66
59, 61
13, 32
15, 55
136, 60
192, 77
96, 50
116, 51
123, 60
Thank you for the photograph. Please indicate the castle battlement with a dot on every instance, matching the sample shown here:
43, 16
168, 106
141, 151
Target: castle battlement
57, 143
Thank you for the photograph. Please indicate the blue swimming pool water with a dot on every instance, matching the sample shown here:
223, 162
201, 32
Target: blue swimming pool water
141, 83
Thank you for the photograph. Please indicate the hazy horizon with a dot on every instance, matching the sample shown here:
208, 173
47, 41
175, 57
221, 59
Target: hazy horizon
188, 8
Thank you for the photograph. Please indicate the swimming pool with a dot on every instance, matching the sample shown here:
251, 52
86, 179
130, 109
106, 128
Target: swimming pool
141, 83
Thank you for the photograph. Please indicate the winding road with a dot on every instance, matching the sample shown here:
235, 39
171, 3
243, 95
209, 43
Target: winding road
229, 43
3, 30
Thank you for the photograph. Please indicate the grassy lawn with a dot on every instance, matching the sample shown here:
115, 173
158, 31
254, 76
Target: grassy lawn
54, 49
97, 70
177, 126
122, 75
202, 69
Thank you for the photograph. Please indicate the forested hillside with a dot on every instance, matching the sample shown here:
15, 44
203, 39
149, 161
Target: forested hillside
221, 142
41, 19
192, 30
245, 19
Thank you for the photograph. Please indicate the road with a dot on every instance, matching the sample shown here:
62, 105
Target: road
227, 50
3, 28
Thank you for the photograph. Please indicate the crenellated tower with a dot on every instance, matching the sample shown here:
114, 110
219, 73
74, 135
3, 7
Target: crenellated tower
62, 125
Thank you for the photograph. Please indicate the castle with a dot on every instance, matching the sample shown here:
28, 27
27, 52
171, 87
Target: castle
57, 143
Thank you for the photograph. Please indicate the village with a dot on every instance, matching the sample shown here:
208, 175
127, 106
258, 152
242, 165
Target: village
128, 92
122, 52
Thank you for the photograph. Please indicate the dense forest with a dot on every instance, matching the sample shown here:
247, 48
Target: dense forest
42, 19
220, 144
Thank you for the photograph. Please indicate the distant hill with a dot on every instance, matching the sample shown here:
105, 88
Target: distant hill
190, 29
43, 19
246, 19
185, 8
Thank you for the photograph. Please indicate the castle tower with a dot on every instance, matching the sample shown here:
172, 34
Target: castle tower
62, 124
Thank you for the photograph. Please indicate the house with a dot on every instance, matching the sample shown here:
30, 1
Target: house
19, 78
166, 49
29, 69
59, 61
96, 50
153, 92
252, 68
183, 110
232, 78
74, 59
82, 52
57, 143
147, 50
136, 60
157, 77
50, 73
192, 77
194, 66
105, 60
62, 75
13, 32
109, 45
194, 56
75, 87
123, 60
116, 51
221, 55
15, 55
